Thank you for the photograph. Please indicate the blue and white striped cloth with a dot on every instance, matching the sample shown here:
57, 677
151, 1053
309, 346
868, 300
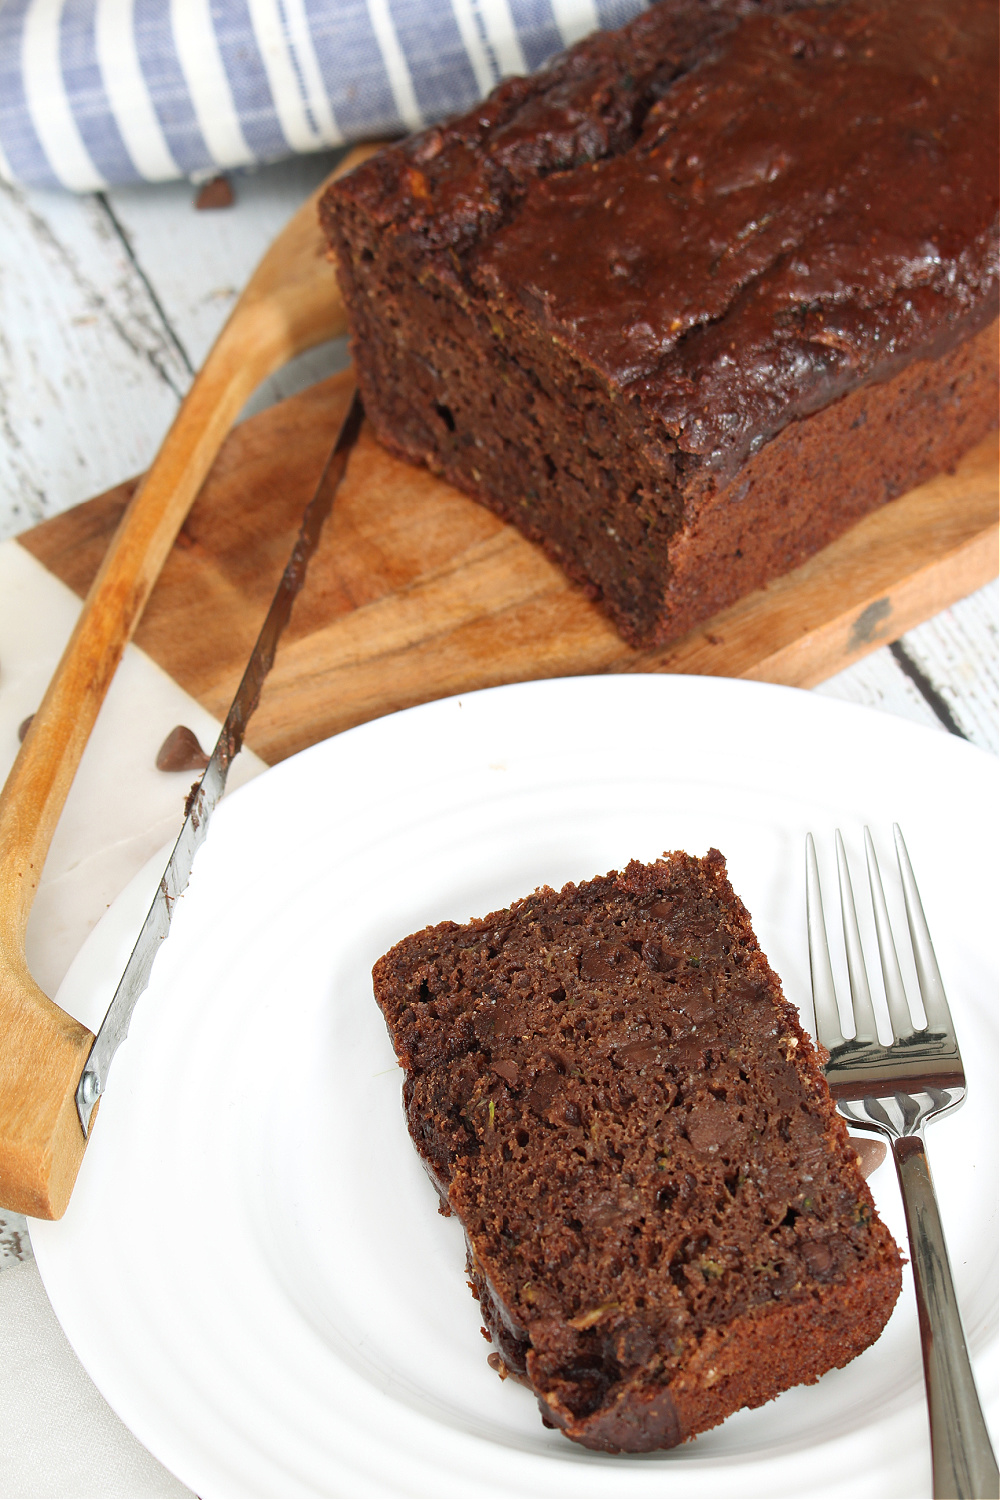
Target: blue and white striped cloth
100, 92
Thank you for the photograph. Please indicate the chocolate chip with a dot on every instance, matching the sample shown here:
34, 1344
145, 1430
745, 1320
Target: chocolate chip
659, 957
638, 1055
598, 963
704, 937
871, 1155
545, 1087
709, 1127
639, 1427
743, 991
217, 193
496, 1363
506, 1019
483, 1026
817, 1257
23, 728
506, 1069
181, 751
632, 1344
696, 1004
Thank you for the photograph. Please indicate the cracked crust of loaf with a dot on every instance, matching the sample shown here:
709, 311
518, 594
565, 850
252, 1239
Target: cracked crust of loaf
682, 328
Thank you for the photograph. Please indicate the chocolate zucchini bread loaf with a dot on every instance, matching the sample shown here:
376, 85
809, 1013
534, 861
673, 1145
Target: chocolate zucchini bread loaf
664, 1215
689, 303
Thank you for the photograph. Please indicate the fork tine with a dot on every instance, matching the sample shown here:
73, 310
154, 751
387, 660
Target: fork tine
895, 994
828, 1032
861, 995
897, 1090
932, 993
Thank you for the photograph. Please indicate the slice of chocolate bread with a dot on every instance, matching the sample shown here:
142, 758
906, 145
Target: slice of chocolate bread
664, 1214
687, 304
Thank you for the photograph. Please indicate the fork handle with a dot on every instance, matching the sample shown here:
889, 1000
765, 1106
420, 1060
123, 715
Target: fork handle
961, 1453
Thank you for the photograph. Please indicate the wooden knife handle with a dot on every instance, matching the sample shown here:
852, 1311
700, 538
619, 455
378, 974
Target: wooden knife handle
290, 304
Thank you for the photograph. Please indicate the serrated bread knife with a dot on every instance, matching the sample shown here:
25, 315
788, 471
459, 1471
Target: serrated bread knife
205, 796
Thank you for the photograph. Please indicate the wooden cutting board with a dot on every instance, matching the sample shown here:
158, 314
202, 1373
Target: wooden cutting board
417, 592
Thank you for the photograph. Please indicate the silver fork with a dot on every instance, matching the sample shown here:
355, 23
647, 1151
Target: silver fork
896, 1090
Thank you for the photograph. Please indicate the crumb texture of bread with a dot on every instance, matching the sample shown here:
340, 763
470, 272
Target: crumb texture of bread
663, 1212
598, 301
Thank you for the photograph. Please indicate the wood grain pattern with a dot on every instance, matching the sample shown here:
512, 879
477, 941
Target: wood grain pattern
417, 592
71, 302
956, 653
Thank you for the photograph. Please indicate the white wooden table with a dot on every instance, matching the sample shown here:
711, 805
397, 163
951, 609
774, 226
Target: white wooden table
108, 303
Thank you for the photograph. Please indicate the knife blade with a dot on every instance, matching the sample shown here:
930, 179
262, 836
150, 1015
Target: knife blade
206, 795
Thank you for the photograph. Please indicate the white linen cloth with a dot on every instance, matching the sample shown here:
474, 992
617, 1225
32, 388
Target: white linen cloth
58, 1436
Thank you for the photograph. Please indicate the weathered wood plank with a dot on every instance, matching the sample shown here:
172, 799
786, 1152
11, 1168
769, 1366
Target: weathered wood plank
89, 375
957, 651
877, 682
198, 262
107, 305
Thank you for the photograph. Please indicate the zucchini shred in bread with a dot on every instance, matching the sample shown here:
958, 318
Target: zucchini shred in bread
689, 303
664, 1214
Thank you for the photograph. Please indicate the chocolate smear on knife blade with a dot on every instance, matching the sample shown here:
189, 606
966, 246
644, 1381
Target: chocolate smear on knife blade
206, 795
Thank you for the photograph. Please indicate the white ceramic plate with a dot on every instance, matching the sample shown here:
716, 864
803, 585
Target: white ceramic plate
252, 1267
